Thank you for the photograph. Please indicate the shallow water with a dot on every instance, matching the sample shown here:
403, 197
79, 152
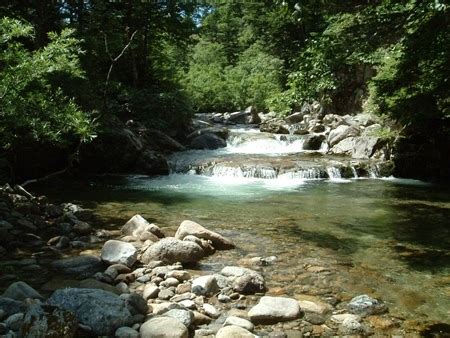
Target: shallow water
386, 237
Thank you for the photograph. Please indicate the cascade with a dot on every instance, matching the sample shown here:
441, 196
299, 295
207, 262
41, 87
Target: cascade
355, 174
334, 173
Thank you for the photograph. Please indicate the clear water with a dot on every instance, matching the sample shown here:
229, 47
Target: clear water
386, 237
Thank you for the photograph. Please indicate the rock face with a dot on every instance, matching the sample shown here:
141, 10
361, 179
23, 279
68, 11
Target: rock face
163, 327
208, 141
172, 250
102, 311
82, 266
340, 133
274, 309
364, 305
117, 252
137, 225
48, 321
191, 228
21, 291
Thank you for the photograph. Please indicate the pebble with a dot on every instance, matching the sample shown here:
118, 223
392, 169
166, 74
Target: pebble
211, 311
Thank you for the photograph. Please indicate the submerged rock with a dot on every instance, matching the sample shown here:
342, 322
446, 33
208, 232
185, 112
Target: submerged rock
187, 228
102, 311
171, 250
82, 266
244, 281
364, 305
271, 310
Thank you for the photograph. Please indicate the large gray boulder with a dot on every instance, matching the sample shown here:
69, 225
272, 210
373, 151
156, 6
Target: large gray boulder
342, 132
137, 225
208, 141
171, 250
21, 291
275, 126
48, 321
187, 228
163, 327
102, 311
365, 146
118, 252
313, 142
271, 310
82, 266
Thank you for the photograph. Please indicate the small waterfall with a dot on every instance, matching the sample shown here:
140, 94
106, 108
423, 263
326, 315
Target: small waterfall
240, 172
334, 173
355, 173
374, 171
307, 174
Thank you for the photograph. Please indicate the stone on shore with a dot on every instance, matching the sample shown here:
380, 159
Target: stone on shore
118, 252
102, 311
138, 225
204, 285
271, 310
244, 281
185, 317
21, 291
187, 228
163, 327
171, 250
233, 331
241, 322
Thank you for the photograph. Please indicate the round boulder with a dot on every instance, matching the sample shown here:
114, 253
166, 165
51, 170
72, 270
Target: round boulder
170, 250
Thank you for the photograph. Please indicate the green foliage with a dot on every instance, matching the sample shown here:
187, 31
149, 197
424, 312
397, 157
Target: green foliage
32, 106
213, 84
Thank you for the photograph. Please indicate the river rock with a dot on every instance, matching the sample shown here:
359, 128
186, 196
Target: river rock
102, 311
208, 141
135, 303
21, 291
275, 126
366, 146
91, 283
351, 326
221, 132
48, 321
205, 285
364, 305
187, 228
11, 306
244, 281
118, 252
210, 310
151, 291
171, 250
14, 322
82, 266
271, 310
126, 332
137, 225
342, 132
233, 331
314, 307
185, 317
241, 322
163, 327
339, 318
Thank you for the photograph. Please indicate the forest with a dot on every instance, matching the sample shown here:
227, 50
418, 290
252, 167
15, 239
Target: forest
72, 69
224, 168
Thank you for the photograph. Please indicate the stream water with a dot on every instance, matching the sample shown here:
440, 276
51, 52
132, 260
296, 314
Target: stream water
386, 237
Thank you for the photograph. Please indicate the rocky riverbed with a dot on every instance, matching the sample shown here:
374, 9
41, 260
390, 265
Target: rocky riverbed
63, 277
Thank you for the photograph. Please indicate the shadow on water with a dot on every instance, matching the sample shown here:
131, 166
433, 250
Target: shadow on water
325, 240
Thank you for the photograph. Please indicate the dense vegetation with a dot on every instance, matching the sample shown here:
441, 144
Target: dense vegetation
70, 69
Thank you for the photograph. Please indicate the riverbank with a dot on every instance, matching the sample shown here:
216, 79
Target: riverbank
320, 283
